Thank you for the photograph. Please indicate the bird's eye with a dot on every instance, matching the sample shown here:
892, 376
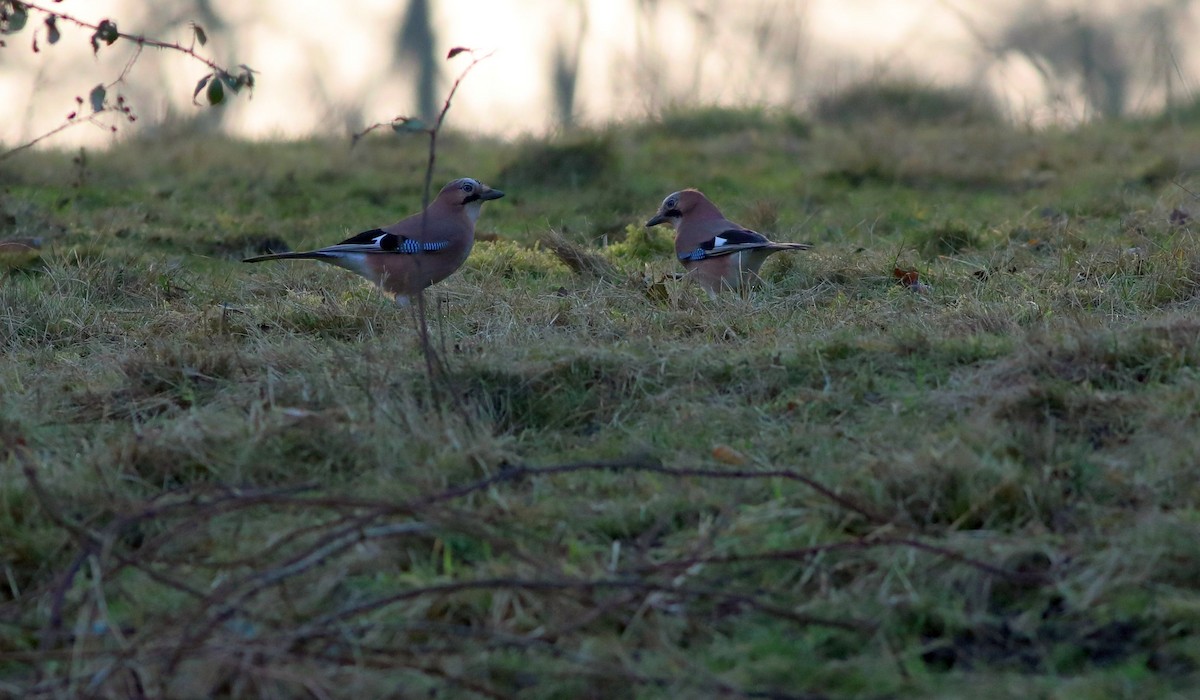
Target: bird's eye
468, 187
672, 203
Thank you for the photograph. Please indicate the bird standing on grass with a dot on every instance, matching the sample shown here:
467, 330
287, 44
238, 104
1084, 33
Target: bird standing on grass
415, 252
716, 252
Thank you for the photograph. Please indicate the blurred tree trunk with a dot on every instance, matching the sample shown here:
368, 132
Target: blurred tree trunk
568, 50
1070, 46
415, 49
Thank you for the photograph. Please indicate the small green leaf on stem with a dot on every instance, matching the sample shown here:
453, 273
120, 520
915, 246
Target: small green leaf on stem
246, 77
200, 85
13, 18
52, 33
96, 97
232, 83
106, 32
198, 31
216, 92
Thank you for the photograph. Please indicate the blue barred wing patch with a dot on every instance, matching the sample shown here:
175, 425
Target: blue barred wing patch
408, 245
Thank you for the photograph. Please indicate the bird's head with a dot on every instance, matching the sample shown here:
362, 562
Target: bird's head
468, 193
676, 206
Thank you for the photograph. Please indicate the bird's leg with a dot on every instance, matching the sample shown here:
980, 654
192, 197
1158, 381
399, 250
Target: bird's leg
750, 281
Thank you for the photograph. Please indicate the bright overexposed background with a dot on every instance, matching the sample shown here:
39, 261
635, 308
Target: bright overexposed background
332, 67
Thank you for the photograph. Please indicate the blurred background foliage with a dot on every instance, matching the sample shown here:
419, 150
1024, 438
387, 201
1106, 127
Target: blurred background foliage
331, 71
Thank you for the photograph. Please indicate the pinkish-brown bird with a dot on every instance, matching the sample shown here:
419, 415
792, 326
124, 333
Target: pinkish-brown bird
415, 252
717, 253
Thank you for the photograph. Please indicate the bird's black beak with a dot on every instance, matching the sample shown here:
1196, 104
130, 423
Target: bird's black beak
656, 220
490, 195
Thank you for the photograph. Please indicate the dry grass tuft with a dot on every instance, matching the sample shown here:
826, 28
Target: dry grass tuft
580, 260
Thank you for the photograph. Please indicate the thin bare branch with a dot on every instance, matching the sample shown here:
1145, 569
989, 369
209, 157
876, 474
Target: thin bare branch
804, 553
139, 39
589, 585
141, 42
512, 472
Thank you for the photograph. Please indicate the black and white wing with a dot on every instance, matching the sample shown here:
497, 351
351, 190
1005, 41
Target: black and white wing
379, 241
727, 243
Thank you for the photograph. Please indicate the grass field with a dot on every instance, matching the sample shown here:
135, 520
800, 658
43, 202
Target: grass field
219, 480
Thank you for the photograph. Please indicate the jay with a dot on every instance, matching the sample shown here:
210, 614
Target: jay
716, 252
415, 252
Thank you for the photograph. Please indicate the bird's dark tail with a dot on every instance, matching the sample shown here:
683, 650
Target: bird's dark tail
790, 246
310, 255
